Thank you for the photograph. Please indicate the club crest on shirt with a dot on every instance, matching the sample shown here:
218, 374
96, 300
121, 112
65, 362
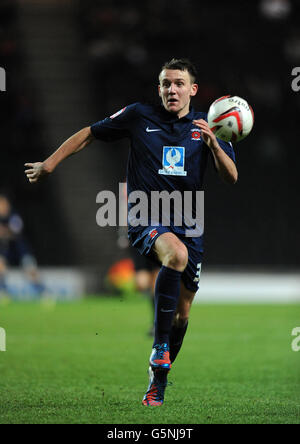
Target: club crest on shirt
153, 233
118, 113
173, 161
196, 134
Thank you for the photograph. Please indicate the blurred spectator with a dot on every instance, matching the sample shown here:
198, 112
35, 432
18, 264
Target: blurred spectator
275, 9
120, 277
14, 249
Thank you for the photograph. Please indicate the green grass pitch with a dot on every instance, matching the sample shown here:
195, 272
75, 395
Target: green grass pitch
86, 362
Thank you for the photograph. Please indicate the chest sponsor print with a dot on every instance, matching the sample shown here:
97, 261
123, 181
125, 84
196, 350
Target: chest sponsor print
173, 161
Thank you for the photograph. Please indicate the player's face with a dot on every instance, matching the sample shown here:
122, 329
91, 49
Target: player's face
176, 90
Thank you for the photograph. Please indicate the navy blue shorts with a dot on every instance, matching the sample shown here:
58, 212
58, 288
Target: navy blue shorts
144, 240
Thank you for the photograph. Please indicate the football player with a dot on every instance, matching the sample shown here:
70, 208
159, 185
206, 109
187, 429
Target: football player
170, 146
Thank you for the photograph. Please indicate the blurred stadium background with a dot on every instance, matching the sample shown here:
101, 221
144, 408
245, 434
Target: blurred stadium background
70, 63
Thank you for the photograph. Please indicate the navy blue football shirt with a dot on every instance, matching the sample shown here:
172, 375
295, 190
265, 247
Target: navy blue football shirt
167, 153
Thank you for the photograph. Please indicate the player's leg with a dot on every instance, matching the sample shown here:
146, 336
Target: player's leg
189, 287
173, 255
158, 378
180, 321
154, 274
171, 252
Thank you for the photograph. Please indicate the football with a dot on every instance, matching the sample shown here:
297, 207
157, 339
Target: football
230, 118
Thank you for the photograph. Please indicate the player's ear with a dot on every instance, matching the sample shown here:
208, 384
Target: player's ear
194, 89
159, 91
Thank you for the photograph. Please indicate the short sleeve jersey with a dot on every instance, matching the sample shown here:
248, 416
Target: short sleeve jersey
167, 153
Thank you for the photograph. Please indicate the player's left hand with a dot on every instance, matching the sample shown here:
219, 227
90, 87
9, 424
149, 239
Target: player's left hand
207, 135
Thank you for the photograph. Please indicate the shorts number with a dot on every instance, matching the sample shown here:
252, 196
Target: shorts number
197, 278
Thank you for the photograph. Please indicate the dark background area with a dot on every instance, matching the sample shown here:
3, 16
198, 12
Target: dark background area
240, 48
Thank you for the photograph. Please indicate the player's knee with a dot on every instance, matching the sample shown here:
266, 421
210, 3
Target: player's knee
177, 258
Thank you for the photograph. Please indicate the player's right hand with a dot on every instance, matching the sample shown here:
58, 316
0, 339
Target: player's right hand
35, 171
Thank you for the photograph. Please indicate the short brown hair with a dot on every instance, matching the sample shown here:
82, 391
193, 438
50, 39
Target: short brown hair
182, 65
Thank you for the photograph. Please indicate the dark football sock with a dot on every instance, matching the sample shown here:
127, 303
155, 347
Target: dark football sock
167, 291
152, 300
176, 339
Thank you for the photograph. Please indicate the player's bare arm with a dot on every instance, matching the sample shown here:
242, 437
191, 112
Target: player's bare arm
73, 145
225, 166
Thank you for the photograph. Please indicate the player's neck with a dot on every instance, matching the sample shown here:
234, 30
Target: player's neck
178, 114
184, 111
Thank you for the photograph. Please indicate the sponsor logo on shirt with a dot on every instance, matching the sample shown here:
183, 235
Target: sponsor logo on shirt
173, 161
